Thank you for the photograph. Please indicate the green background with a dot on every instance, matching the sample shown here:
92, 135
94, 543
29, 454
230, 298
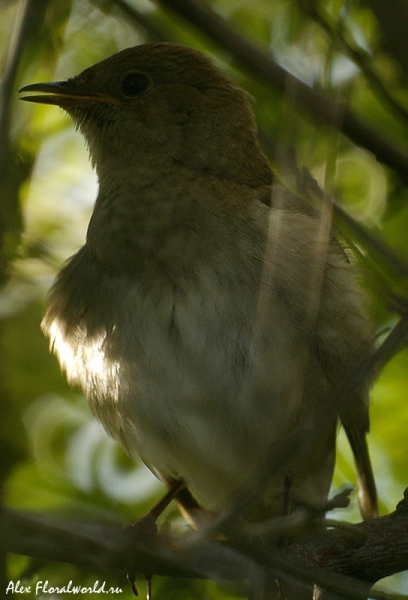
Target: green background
54, 457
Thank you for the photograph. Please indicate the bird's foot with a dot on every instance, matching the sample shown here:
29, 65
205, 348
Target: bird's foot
131, 577
144, 531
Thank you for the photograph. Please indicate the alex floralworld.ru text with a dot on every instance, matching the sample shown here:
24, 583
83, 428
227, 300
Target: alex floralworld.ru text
45, 588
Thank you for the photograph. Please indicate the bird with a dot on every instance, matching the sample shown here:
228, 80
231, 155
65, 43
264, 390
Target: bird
209, 318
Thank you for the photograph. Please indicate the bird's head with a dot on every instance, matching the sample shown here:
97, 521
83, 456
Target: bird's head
162, 102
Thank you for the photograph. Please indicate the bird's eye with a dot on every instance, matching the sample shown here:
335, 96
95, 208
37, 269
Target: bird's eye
135, 84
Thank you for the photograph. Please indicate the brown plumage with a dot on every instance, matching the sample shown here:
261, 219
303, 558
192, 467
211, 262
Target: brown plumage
203, 325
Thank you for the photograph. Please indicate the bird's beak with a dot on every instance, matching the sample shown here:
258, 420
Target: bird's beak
61, 93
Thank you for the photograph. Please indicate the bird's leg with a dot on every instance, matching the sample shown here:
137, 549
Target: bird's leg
145, 529
175, 488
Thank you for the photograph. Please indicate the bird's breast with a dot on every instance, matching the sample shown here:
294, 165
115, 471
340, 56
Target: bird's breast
197, 372
150, 355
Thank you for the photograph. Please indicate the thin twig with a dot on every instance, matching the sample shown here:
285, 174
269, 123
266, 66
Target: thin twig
362, 59
136, 17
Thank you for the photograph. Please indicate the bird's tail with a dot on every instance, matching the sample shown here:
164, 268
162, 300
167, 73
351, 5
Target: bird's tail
367, 492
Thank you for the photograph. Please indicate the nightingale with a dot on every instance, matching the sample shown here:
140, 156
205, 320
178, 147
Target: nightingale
207, 316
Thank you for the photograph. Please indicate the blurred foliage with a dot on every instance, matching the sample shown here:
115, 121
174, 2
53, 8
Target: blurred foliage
54, 457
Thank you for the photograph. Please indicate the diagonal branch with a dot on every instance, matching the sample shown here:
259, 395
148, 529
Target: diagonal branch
315, 104
392, 19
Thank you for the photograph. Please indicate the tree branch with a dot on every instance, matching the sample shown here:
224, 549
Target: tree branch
316, 105
392, 20
367, 551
